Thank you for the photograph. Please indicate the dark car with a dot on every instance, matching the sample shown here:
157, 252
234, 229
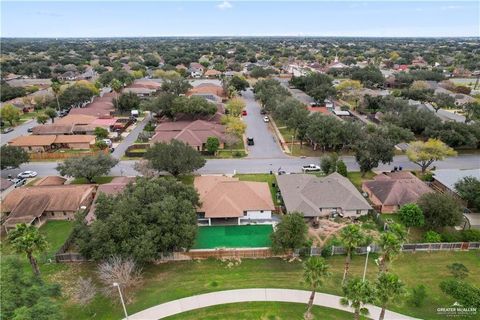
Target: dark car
263, 111
250, 141
30, 130
7, 130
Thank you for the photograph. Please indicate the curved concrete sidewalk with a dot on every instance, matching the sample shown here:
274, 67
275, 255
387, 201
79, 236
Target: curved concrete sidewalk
251, 295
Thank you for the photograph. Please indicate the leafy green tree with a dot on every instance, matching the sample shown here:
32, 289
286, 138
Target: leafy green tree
328, 163
369, 76
212, 145
235, 106
27, 297
471, 111
120, 74
317, 85
176, 86
27, 239
324, 131
51, 113
411, 215
351, 237
175, 157
9, 92
10, 114
234, 126
388, 288
432, 237
152, 218
371, 151
440, 210
100, 133
12, 156
117, 87
391, 246
417, 295
101, 145
239, 83
87, 167
469, 189
315, 270
162, 105
293, 113
290, 233
128, 101
356, 294
425, 153
342, 168
76, 95
42, 118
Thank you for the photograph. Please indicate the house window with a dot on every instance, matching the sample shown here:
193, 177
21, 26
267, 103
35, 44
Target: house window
244, 213
64, 213
261, 211
359, 212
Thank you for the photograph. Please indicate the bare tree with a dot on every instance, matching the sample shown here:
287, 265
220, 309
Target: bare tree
84, 292
123, 271
144, 167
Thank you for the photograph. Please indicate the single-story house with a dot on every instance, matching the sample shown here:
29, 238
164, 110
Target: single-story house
212, 73
73, 118
444, 180
317, 197
44, 143
224, 199
194, 133
196, 69
391, 190
207, 88
139, 91
38, 204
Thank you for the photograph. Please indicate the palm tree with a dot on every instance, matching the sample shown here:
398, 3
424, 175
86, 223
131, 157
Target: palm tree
315, 269
116, 86
56, 87
356, 294
26, 239
391, 246
351, 237
388, 288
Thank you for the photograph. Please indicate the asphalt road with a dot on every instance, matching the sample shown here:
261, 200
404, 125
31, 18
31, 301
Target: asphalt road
246, 165
266, 145
20, 130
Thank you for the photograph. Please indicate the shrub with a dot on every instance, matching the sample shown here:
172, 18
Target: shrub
432, 237
144, 136
428, 176
451, 237
417, 295
237, 154
458, 270
465, 293
470, 235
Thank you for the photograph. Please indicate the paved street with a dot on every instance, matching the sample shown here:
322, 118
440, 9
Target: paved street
20, 130
266, 145
249, 295
289, 164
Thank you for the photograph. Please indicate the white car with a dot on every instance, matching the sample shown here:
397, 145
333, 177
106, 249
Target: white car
27, 174
265, 119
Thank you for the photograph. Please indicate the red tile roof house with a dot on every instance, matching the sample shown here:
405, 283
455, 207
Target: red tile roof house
224, 199
38, 204
194, 133
390, 190
44, 143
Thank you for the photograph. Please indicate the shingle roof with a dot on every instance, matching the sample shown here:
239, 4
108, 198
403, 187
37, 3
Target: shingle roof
307, 193
51, 181
53, 128
33, 141
397, 188
225, 197
194, 133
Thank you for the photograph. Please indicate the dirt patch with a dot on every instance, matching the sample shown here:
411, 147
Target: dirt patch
325, 230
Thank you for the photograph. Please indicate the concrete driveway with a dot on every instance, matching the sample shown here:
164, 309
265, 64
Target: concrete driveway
266, 145
130, 139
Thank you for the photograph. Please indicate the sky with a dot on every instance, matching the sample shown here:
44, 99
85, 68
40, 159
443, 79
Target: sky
240, 18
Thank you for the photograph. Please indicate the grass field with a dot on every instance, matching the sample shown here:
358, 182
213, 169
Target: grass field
254, 236
261, 310
170, 281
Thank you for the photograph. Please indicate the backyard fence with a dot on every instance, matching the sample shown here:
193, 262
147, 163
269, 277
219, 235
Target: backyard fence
407, 247
62, 155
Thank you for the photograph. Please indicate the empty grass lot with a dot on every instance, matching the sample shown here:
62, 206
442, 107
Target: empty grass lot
261, 310
233, 237
170, 281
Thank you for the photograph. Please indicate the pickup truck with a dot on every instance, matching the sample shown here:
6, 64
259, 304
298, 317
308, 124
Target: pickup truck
311, 167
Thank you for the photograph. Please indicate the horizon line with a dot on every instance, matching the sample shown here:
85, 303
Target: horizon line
242, 36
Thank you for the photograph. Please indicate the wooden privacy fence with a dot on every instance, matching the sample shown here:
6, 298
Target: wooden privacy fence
62, 155
407, 247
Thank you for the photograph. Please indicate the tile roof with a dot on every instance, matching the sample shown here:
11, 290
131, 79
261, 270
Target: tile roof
33, 141
307, 193
225, 197
53, 128
194, 133
73, 118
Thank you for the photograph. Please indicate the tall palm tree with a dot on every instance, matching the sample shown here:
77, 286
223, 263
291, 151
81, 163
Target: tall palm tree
27, 239
391, 246
56, 87
356, 294
388, 288
351, 237
116, 86
315, 269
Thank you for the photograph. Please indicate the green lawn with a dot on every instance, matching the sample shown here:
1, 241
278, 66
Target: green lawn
56, 232
262, 177
170, 281
99, 180
261, 310
253, 236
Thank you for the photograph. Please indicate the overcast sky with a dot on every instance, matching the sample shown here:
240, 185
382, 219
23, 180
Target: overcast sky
239, 18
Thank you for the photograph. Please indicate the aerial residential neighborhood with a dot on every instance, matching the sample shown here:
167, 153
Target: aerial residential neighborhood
240, 160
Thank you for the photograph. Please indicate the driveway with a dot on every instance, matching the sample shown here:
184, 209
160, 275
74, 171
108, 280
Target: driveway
130, 139
266, 145
251, 295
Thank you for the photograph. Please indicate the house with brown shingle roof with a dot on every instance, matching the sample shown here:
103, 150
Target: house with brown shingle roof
225, 199
207, 88
38, 204
194, 133
212, 73
44, 143
389, 191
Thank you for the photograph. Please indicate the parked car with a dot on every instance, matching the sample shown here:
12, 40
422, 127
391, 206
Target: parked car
311, 167
19, 182
250, 141
27, 174
263, 112
7, 130
244, 112
30, 129
108, 142
63, 113
266, 119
